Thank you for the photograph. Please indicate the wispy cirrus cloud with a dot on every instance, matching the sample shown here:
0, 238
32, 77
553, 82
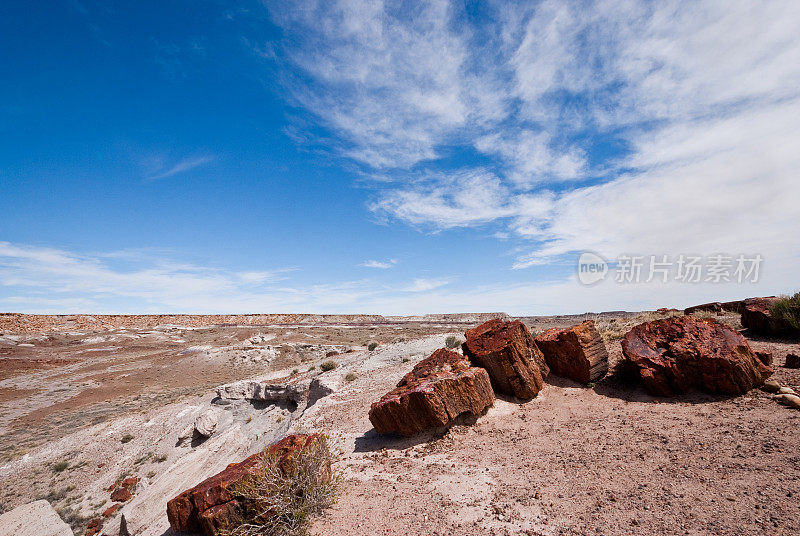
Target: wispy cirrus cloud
632, 126
381, 265
36, 279
182, 166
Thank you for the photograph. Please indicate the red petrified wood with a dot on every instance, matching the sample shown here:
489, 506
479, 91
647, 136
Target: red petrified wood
577, 353
757, 318
211, 506
676, 354
509, 354
438, 389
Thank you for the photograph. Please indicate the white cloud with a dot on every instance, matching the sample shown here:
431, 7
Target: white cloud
531, 158
453, 200
46, 280
392, 85
381, 265
425, 284
182, 166
704, 97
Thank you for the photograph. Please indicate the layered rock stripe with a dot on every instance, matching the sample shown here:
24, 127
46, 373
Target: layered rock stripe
436, 391
509, 354
212, 505
674, 355
578, 353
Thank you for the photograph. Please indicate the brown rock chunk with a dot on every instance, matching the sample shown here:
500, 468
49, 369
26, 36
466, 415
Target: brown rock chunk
206, 507
509, 354
716, 307
577, 353
94, 527
765, 357
676, 354
121, 495
792, 361
437, 390
757, 318
111, 510
130, 482
221, 518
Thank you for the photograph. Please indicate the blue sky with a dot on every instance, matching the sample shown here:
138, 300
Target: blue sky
391, 157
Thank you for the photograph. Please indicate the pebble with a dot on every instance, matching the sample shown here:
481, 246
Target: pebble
771, 386
786, 391
792, 401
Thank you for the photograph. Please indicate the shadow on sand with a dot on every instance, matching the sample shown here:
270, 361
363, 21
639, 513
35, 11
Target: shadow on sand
372, 441
622, 384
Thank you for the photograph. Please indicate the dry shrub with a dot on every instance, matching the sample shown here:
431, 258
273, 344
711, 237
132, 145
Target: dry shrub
787, 311
731, 319
614, 329
282, 496
452, 341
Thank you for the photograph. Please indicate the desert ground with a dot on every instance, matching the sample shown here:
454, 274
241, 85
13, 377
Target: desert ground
86, 401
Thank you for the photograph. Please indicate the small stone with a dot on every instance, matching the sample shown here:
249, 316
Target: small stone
793, 401
206, 424
121, 495
786, 391
771, 386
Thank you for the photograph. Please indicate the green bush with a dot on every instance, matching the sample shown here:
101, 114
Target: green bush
350, 376
452, 341
60, 466
328, 365
282, 496
787, 311
371, 346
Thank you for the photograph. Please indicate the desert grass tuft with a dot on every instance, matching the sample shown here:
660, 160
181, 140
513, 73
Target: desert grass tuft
787, 311
282, 497
328, 365
452, 341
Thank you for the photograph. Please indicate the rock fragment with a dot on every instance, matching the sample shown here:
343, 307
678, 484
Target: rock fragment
206, 423
438, 390
676, 354
577, 353
213, 505
509, 354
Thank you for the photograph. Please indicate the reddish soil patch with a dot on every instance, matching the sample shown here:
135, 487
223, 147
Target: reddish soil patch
8, 394
11, 366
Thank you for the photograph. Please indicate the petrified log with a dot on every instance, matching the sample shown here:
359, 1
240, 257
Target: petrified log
676, 354
212, 505
436, 391
757, 318
509, 354
577, 353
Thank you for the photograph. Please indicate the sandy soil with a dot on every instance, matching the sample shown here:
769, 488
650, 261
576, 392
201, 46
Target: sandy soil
608, 459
